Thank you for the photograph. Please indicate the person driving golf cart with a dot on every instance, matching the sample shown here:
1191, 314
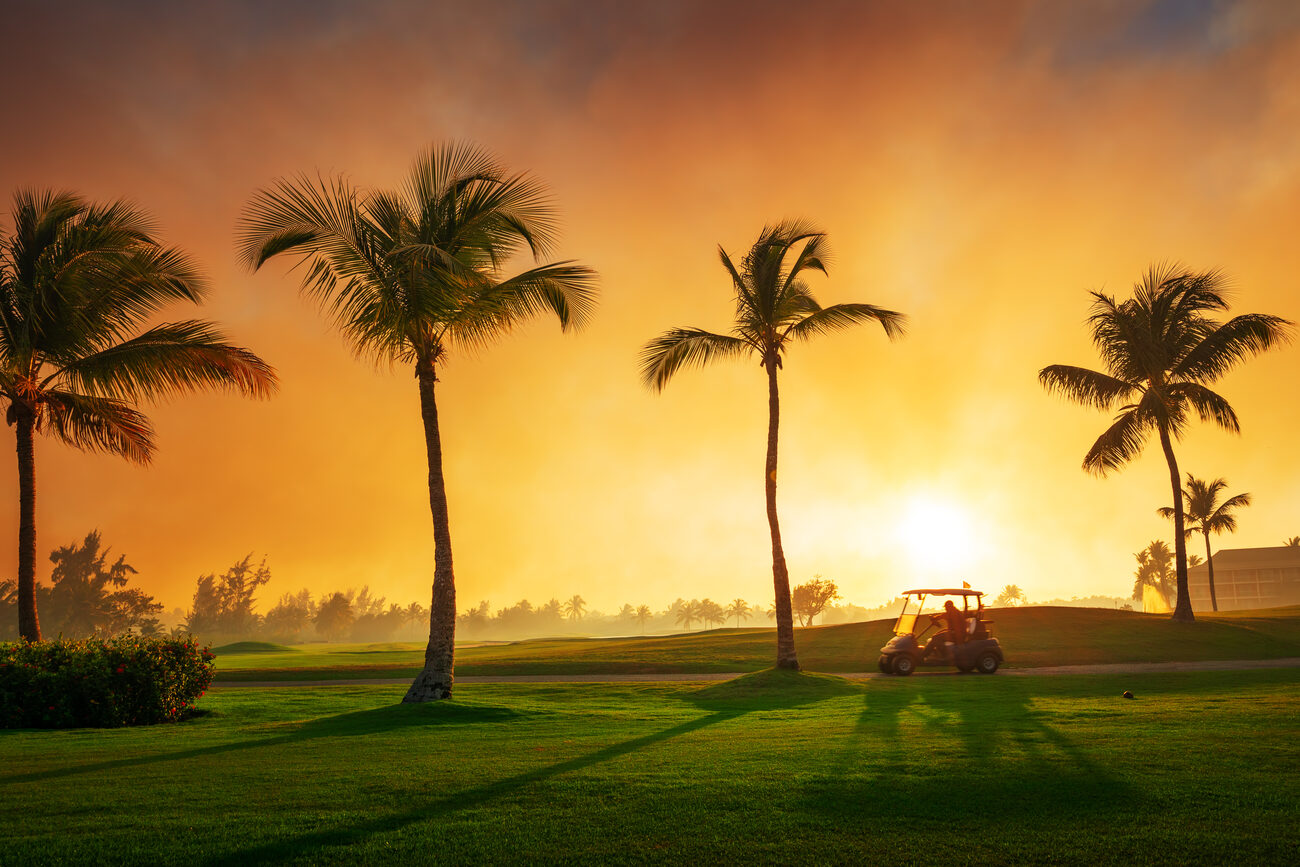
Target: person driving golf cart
964, 638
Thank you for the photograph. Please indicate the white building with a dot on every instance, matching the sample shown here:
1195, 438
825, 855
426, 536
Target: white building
1248, 578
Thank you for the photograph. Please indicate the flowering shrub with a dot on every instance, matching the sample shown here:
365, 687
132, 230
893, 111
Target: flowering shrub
101, 682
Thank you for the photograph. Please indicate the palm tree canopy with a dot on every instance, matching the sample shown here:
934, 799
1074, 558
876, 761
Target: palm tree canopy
1205, 514
774, 306
1161, 348
406, 275
78, 283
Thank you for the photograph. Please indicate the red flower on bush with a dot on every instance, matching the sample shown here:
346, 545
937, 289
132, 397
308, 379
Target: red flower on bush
121, 668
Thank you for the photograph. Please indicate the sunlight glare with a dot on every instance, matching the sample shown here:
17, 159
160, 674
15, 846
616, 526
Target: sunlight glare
936, 536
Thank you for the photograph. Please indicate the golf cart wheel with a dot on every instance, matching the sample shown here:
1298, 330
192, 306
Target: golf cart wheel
904, 664
883, 664
987, 663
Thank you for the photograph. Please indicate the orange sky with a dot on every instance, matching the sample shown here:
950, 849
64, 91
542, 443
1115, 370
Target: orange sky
979, 167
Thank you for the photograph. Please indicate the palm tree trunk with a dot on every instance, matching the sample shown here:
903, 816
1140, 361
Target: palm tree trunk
434, 682
785, 655
1183, 608
29, 623
1209, 567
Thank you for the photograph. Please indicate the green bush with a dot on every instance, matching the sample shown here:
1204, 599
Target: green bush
101, 683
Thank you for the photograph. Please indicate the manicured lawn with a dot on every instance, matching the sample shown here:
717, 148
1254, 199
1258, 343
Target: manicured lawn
1199, 768
1030, 637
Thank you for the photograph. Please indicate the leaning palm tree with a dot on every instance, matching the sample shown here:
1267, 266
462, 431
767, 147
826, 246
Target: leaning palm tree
1205, 515
411, 276
1162, 348
79, 283
774, 308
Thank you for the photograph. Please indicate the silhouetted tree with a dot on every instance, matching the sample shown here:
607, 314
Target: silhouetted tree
1010, 595
89, 595
80, 282
711, 612
334, 616
810, 598
1293, 542
738, 609
774, 307
1205, 514
410, 276
1162, 349
643, 615
574, 607
1155, 569
686, 613
223, 604
289, 616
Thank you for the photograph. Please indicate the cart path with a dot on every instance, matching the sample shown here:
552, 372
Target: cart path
1108, 668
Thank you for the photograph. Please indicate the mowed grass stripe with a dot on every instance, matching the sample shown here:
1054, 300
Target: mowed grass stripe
781, 767
1031, 637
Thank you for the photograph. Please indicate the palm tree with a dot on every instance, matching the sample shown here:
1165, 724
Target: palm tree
1293, 542
412, 275
1155, 570
711, 612
687, 613
774, 308
78, 283
738, 608
643, 614
1162, 349
575, 607
1010, 595
1205, 514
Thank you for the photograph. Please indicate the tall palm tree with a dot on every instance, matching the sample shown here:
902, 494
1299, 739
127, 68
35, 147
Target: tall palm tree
1205, 515
739, 608
1162, 348
410, 276
78, 283
575, 607
643, 614
774, 308
687, 613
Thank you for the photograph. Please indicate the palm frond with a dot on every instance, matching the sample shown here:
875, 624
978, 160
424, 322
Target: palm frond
841, 316
1208, 405
168, 360
1233, 342
1121, 442
678, 347
1088, 387
98, 424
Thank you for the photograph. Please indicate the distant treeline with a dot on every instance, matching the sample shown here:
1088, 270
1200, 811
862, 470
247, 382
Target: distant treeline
89, 596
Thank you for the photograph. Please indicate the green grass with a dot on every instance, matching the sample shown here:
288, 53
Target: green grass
775, 767
1030, 637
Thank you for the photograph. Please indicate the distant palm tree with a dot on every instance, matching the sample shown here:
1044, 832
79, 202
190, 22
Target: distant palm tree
711, 612
411, 275
774, 308
1162, 349
687, 613
79, 283
1010, 595
1293, 542
575, 607
1206, 515
1155, 569
739, 608
643, 615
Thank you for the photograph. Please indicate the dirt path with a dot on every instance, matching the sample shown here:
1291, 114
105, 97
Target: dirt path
1113, 668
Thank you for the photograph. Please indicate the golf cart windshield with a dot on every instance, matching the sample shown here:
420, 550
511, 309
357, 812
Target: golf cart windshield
914, 605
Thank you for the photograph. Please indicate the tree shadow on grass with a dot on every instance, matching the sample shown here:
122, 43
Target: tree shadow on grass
352, 724
762, 691
931, 750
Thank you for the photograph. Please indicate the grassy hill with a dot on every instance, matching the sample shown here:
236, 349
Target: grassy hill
1031, 637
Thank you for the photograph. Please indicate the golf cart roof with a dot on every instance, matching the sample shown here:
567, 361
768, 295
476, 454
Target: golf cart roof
944, 592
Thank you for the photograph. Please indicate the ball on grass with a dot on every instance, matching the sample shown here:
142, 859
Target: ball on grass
1128, 694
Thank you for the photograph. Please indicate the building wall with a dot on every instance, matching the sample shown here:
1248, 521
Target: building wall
1244, 587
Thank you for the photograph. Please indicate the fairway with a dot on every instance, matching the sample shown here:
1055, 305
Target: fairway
1031, 637
1201, 767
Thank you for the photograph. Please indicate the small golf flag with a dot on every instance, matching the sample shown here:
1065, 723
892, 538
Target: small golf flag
965, 586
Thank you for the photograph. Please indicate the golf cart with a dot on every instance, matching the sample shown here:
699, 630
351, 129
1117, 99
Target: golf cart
979, 651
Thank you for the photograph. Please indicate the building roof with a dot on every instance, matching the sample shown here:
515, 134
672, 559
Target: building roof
1281, 557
